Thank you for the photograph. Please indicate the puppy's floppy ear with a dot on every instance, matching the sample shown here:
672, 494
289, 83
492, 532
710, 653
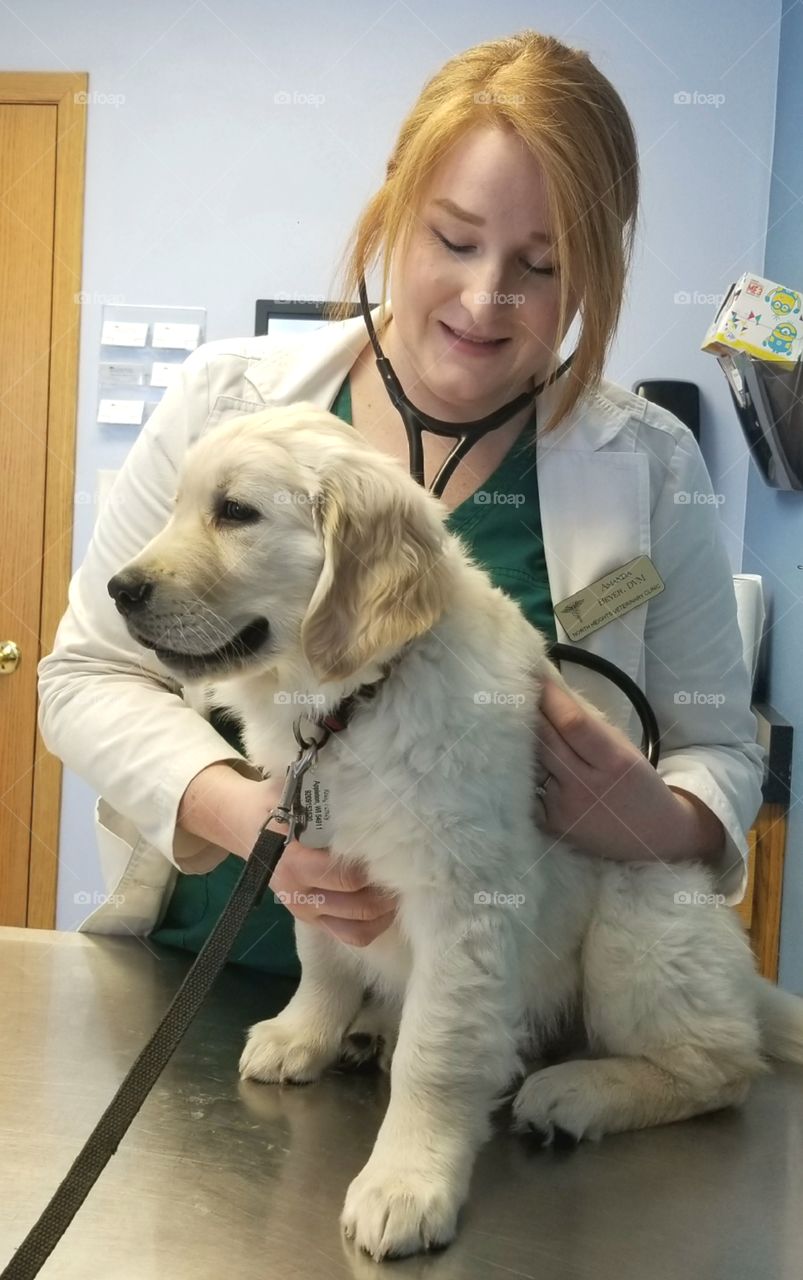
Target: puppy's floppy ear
383, 581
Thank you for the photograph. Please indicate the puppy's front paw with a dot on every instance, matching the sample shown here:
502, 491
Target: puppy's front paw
393, 1209
279, 1051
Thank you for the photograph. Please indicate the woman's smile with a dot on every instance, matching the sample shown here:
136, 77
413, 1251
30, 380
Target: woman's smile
470, 346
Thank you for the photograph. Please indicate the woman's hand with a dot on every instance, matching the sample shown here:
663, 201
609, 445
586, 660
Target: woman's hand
313, 887
606, 798
339, 898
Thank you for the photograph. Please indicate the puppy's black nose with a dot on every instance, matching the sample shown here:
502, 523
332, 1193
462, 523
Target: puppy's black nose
129, 591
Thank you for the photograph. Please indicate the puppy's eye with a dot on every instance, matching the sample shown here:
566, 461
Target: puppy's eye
237, 512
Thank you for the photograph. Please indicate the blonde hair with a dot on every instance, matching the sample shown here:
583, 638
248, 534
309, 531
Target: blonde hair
575, 125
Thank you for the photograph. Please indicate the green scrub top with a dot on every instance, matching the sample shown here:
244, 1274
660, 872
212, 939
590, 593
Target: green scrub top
501, 528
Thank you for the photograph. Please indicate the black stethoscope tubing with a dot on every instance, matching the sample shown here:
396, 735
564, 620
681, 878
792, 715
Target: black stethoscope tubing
416, 421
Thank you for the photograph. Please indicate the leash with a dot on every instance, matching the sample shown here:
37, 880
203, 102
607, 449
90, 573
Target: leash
248, 892
105, 1138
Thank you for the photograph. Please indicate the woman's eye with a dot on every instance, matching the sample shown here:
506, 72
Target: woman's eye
238, 512
466, 248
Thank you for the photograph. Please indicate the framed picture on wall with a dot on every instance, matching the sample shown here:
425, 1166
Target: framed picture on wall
275, 316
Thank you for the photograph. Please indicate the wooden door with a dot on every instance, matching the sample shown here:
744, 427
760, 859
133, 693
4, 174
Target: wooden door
42, 144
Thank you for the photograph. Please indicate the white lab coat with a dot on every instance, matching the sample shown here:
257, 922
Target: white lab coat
608, 480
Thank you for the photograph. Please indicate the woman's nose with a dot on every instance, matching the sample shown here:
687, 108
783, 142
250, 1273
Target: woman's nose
484, 295
483, 313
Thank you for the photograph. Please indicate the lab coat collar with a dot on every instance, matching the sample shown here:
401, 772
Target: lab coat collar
331, 350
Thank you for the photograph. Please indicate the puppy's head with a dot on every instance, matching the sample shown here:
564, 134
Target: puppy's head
291, 538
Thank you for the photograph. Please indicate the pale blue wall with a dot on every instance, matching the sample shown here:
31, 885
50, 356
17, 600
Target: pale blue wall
774, 520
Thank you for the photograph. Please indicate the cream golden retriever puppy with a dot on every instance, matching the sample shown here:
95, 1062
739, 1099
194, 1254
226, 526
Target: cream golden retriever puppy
299, 563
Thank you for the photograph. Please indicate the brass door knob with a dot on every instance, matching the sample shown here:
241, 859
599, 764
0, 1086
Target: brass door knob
10, 654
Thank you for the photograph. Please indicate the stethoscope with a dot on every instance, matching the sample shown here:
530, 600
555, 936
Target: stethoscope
468, 433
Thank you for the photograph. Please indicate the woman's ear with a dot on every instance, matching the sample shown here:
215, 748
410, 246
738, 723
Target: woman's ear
383, 580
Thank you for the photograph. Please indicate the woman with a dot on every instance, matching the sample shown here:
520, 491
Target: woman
508, 208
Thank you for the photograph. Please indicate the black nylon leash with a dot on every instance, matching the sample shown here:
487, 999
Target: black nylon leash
104, 1139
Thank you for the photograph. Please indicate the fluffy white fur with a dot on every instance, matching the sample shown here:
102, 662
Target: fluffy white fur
504, 936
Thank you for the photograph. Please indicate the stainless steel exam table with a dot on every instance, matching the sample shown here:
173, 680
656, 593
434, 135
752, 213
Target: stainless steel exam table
221, 1178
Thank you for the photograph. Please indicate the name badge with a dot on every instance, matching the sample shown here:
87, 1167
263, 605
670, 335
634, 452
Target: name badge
609, 597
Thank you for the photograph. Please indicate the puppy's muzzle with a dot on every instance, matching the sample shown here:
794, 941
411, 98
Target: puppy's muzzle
131, 592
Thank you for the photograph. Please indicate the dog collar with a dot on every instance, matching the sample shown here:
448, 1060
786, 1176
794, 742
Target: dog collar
337, 720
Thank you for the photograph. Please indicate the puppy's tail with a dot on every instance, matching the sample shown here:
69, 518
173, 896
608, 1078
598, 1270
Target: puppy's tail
781, 1018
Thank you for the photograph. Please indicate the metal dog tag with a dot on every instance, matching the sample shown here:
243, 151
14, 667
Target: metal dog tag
314, 799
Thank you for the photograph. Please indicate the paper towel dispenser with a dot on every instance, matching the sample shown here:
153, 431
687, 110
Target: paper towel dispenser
680, 398
751, 615
769, 405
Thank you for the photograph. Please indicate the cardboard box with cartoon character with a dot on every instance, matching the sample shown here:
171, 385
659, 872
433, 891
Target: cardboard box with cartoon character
760, 317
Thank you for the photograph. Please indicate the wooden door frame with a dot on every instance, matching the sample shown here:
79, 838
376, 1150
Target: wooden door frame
67, 91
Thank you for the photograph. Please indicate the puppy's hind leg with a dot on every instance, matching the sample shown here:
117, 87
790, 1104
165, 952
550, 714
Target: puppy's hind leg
588, 1098
373, 1033
669, 994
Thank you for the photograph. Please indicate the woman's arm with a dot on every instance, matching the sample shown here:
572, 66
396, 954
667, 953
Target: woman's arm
107, 707
707, 790
606, 798
707, 839
695, 673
